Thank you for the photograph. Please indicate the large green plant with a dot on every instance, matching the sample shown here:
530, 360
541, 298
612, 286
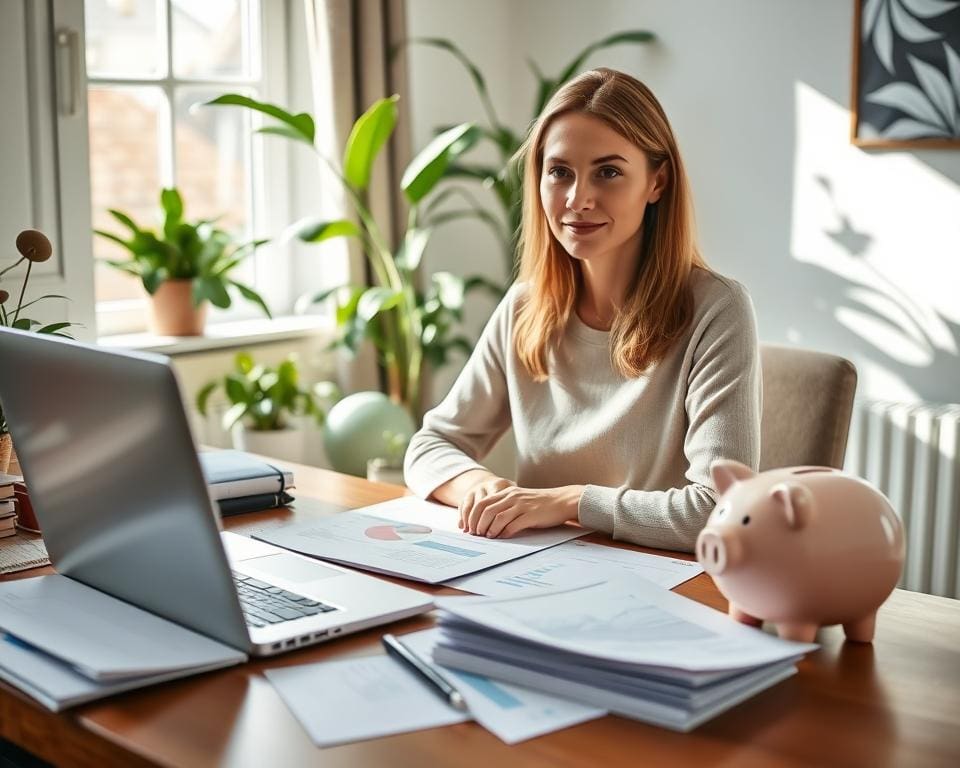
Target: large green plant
265, 398
183, 250
34, 248
504, 177
408, 326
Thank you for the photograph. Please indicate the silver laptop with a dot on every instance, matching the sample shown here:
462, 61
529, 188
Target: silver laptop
116, 485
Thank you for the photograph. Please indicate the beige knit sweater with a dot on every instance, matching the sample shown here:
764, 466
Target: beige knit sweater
641, 446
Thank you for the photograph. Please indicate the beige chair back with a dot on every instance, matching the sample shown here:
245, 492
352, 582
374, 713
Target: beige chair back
807, 404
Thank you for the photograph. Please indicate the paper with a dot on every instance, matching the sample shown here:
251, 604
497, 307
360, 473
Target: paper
57, 685
510, 712
630, 621
412, 538
338, 702
575, 564
101, 637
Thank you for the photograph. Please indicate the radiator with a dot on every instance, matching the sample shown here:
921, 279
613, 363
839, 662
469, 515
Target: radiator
911, 452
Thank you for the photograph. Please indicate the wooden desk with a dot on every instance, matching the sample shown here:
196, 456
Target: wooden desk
896, 702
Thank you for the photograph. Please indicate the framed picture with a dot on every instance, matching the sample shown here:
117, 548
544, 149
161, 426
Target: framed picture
906, 73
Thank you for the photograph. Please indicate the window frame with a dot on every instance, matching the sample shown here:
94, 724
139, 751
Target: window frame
268, 194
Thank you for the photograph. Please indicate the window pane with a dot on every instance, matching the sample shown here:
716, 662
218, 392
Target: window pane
211, 39
124, 172
213, 162
125, 38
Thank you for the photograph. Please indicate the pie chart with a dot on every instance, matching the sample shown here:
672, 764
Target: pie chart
397, 532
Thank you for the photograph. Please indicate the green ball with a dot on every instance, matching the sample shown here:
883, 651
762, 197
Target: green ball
354, 427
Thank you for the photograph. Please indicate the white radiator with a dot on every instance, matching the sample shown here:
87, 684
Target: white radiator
911, 452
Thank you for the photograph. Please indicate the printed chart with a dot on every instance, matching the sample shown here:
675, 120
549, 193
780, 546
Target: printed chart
397, 532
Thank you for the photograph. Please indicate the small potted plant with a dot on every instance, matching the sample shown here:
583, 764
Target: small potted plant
182, 266
264, 403
34, 248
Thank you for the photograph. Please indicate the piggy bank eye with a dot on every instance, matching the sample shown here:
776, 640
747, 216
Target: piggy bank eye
746, 520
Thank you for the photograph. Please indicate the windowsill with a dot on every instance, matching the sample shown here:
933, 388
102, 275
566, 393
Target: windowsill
226, 335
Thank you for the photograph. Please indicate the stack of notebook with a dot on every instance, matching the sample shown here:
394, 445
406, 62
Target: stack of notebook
629, 647
240, 482
8, 516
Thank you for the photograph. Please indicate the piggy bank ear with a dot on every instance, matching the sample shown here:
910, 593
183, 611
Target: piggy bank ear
796, 503
726, 472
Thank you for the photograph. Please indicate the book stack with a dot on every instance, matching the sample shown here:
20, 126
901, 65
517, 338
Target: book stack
8, 512
627, 646
240, 482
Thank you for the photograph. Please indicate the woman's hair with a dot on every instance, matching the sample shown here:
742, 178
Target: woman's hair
659, 302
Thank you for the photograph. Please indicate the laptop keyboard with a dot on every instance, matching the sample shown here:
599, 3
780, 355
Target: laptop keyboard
264, 604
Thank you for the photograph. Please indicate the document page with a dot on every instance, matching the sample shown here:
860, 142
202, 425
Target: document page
100, 636
412, 538
338, 702
575, 564
511, 713
631, 621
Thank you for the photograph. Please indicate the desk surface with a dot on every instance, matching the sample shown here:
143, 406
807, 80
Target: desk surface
895, 702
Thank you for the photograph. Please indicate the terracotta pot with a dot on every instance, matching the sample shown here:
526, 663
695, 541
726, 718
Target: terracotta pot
172, 312
6, 449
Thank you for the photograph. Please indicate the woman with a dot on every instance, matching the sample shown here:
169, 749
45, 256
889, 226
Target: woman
624, 365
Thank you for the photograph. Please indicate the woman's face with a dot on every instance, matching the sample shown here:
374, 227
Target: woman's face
594, 188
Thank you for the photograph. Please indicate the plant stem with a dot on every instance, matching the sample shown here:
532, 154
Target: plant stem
16, 263
23, 288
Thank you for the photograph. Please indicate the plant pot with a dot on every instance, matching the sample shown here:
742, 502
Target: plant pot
172, 312
6, 450
384, 471
286, 444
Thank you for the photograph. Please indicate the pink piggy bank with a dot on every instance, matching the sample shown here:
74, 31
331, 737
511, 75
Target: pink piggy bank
802, 547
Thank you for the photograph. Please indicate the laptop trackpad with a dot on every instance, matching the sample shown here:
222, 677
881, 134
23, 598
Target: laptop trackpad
291, 567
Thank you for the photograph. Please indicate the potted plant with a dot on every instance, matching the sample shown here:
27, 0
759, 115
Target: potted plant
408, 326
182, 266
264, 402
503, 177
34, 248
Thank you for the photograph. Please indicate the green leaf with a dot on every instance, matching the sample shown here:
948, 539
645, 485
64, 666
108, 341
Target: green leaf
152, 279
302, 124
124, 219
428, 166
471, 68
53, 327
25, 324
243, 362
348, 310
307, 299
450, 289
251, 295
236, 388
233, 415
370, 132
212, 289
376, 300
316, 230
284, 130
411, 251
204, 395
172, 205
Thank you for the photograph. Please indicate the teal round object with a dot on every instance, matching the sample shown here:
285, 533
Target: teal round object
354, 427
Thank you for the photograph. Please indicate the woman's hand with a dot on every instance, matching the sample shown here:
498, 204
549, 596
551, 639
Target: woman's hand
485, 487
511, 509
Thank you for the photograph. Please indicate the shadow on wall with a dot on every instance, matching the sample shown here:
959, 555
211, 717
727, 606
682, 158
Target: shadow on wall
865, 322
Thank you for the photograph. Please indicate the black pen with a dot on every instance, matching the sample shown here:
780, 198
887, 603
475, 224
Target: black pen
441, 686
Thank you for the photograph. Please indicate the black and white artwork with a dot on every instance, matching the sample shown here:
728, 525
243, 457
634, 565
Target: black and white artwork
907, 73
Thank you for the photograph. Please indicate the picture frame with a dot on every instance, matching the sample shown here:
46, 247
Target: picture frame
906, 74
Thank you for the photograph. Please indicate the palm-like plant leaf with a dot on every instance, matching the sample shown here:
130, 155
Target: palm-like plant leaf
370, 132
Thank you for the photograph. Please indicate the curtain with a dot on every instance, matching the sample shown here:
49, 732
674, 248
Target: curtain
349, 44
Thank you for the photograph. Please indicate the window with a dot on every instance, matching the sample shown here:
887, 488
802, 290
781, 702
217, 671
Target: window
151, 66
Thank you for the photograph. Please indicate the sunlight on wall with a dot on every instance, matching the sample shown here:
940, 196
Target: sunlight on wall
884, 228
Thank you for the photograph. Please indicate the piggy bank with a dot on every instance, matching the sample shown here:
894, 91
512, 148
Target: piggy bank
801, 547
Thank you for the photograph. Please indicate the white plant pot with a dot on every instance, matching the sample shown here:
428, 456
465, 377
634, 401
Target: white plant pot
286, 444
382, 471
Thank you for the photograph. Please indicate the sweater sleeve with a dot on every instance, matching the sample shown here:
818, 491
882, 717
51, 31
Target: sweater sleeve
722, 403
461, 430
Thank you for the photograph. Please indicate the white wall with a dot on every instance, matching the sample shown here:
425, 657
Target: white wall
843, 250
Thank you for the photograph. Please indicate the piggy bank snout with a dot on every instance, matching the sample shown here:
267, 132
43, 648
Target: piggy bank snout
717, 552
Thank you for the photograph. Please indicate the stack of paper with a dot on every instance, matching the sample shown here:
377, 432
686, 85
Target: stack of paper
64, 643
627, 646
8, 517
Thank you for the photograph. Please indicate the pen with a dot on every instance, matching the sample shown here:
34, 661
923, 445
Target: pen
440, 685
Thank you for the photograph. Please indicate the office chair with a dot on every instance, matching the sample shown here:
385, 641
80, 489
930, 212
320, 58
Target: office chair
807, 404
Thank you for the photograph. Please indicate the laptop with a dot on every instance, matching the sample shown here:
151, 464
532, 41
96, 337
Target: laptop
116, 485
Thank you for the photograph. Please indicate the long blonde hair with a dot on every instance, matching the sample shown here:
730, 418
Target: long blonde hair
659, 302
